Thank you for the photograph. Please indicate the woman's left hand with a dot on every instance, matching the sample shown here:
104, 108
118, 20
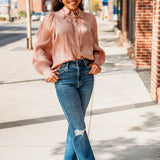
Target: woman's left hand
95, 69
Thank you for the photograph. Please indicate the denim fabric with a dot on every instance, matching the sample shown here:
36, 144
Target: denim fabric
74, 89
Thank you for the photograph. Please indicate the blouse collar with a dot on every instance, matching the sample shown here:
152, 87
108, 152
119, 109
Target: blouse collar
72, 13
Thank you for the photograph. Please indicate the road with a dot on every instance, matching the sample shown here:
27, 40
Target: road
14, 31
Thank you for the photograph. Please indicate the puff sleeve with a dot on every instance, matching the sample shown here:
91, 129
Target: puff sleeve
42, 52
98, 53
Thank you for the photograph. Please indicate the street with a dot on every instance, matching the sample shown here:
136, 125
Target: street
15, 31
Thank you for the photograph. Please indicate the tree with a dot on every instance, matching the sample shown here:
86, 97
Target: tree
95, 5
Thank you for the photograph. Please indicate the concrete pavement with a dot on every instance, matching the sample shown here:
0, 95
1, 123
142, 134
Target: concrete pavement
124, 122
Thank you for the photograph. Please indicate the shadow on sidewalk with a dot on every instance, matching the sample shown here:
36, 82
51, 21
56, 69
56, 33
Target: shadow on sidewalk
24, 81
13, 34
120, 148
124, 148
62, 117
145, 75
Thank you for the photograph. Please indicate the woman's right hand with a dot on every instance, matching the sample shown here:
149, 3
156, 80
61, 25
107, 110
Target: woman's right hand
53, 78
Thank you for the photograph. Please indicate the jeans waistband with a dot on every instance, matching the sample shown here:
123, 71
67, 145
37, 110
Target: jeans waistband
84, 61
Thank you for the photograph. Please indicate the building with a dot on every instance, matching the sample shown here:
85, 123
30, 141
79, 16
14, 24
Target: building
139, 23
11, 8
4, 8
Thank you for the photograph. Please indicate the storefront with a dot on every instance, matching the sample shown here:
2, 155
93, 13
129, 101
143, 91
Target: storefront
130, 25
130, 17
118, 5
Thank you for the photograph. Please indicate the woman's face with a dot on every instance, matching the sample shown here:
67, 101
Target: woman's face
71, 4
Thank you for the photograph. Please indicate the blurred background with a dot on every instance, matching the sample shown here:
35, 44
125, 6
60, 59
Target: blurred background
11, 10
123, 115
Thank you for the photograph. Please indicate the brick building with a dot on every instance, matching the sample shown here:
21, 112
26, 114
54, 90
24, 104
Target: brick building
11, 8
36, 5
139, 23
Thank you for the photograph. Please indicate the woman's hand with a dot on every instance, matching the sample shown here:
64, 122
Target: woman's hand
95, 69
53, 78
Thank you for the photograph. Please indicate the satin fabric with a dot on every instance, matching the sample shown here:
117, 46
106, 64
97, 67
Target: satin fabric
63, 36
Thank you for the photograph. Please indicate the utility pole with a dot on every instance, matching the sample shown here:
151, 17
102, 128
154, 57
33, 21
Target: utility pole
29, 30
9, 10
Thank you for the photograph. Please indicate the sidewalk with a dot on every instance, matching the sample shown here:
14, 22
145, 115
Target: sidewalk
124, 123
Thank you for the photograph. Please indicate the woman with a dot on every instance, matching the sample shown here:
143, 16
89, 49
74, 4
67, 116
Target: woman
67, 53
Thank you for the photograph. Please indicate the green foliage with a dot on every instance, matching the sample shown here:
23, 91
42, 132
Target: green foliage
22, 14
2, 18
95, 5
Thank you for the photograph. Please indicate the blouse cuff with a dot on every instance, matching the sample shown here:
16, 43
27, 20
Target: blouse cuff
97, 59
47, 73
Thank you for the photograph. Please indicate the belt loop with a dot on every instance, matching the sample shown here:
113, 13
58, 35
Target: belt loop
85, 62
77, 62
67, 65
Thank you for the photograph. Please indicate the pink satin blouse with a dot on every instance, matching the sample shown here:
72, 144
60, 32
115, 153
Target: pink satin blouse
66, 35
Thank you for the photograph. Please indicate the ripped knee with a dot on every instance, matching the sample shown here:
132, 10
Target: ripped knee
79, 132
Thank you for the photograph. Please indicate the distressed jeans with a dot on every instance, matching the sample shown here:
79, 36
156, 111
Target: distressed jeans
74, 89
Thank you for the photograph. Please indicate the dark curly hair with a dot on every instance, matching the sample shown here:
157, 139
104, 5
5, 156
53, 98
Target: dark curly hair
57, 5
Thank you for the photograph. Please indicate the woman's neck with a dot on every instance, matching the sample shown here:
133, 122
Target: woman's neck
71, 9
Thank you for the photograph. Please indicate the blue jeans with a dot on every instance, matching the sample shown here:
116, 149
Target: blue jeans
74, 89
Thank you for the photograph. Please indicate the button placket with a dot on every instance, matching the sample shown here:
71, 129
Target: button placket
77, 37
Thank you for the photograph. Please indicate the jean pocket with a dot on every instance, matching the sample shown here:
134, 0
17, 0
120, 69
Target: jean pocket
86, 69
88, 66
62, 69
